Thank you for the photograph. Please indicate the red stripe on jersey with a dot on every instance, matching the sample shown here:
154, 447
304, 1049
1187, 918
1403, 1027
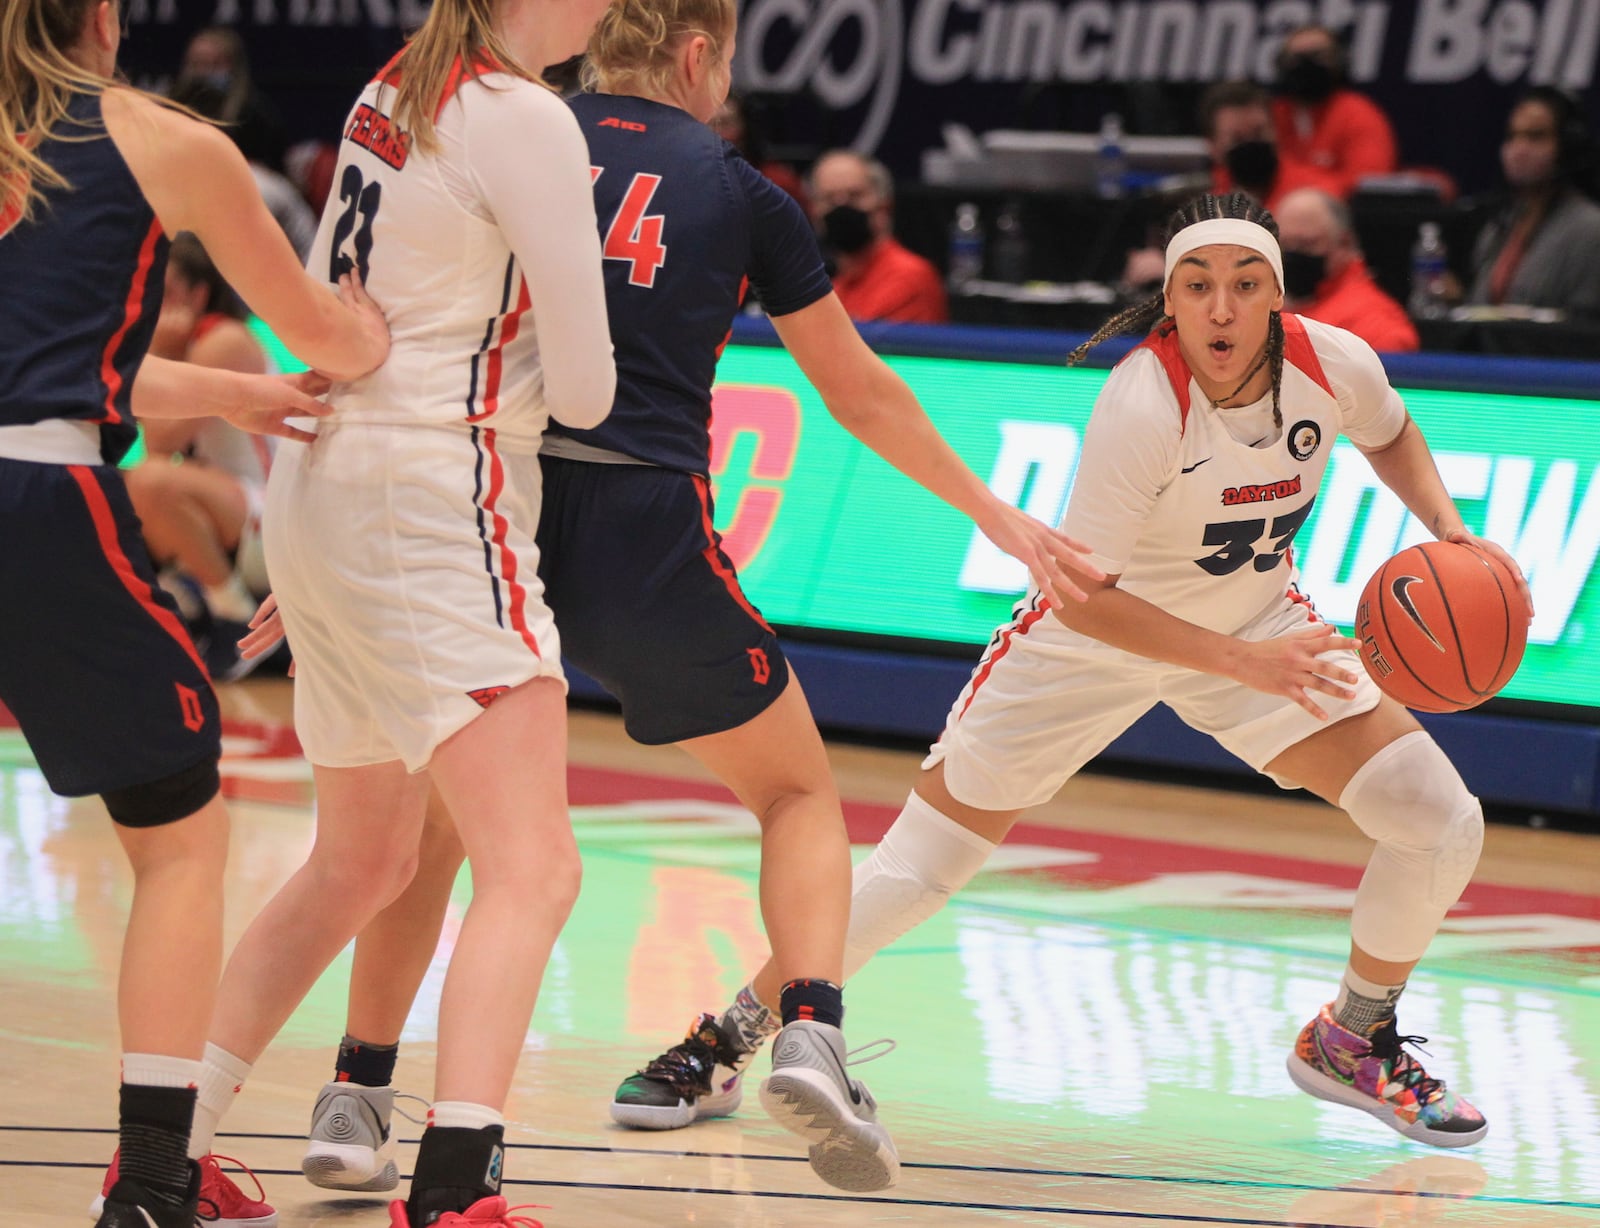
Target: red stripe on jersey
508, 333
105, 528
459, 76
508, 558
1018, 627
713, 554
109, 375
744, 285
1299, 352
1163, 343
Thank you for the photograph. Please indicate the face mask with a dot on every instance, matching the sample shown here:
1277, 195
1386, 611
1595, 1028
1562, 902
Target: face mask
846, 229
1253, 164
1303, 273
1306, 78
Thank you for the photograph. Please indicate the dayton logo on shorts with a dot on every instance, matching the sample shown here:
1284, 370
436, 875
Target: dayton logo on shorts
1304, 438
486, 695
194, 713
760, 666
1261, 494
1400, 586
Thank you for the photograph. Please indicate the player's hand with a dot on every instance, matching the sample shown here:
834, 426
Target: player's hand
266, 630
1294, 666
1463, 538
265, 401
369, 319
1048, 553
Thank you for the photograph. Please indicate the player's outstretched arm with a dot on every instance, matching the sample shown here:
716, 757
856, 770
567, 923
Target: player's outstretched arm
875, 405
196, 180
259, 404
1406, 466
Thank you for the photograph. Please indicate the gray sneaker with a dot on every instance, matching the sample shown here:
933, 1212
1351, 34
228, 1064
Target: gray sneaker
351, 1147
810, 1094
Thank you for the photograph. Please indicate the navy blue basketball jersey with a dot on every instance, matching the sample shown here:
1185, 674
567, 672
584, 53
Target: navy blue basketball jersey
685, 224
82, 288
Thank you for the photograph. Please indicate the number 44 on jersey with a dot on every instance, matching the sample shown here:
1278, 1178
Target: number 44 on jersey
634, 235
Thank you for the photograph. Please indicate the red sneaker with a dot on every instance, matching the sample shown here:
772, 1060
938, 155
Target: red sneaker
218, 1194
485, 1213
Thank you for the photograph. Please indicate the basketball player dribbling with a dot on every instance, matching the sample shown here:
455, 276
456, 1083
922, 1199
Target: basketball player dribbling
401, 546
106, 685
1201, 611
627, 509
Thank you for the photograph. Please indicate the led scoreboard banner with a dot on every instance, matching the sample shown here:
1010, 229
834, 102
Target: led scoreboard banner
831, 541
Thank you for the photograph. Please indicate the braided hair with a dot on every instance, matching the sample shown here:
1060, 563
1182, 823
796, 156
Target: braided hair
1152, 312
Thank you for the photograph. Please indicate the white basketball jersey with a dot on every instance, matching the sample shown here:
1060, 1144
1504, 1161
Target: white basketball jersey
432, 256
1197, 508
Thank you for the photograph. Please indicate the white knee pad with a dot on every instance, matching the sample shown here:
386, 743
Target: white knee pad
1410, 799
921, 861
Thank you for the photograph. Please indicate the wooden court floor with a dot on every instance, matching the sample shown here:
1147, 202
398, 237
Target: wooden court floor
1092, 1034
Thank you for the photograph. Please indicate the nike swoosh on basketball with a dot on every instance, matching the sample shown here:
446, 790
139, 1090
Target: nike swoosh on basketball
1400, 586
1193, 467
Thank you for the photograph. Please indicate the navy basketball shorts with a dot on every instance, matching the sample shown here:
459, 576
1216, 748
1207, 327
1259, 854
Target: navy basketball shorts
95, 663
647, 603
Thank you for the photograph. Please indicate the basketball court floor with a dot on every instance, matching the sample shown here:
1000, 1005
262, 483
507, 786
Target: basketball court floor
1092, 1034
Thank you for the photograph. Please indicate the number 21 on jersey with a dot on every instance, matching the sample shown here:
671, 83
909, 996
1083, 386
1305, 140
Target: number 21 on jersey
635, 236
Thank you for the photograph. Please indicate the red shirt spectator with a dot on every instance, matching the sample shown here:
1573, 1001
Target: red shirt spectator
875, 277
1326, 278
1236, 118
891, 282
1336, 134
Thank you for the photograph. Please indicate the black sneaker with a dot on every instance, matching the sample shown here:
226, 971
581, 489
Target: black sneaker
697, 1078
130, 1205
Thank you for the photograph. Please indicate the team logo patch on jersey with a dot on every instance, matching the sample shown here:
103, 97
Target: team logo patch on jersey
486, 695
1264, 493
1305, 437
377, 134
627, 125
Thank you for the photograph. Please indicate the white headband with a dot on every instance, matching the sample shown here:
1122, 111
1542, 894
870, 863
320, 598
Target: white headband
1234, 231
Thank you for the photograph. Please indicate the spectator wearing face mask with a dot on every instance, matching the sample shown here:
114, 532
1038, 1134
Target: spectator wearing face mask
1236, 120
874, 276
1338, 135
1326, 278
1543, 249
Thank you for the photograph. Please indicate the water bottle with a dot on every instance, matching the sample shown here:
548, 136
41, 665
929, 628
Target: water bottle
1428, 267
1111, 167
966, 247
1011, 255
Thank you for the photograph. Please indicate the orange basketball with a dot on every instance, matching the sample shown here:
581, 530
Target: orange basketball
1442, 626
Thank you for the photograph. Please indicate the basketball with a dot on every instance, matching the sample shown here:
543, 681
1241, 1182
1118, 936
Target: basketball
1442, 626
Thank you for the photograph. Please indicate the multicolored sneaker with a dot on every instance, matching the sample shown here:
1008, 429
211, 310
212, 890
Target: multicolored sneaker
809, 1094
222, 1203
350, 1146
1376, 1075
485, 1213
697, 1078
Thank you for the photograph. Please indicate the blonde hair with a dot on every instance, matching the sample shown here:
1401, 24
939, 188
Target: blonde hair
455, 32
38, 80
631, 49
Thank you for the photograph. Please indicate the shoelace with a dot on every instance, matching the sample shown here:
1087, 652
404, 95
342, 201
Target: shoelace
415, 1121
1405, 1069
884, 1045
211, 1161
508, 1220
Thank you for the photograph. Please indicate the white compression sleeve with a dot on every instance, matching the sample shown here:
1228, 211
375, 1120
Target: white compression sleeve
921, 861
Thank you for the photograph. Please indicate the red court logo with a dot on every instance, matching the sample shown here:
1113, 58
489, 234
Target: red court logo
760, 667
486, 695
194, 714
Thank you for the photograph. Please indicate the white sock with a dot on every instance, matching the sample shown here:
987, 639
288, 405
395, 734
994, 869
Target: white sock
159, 1070
464, 1115
921, 861
221, 1077
231, 599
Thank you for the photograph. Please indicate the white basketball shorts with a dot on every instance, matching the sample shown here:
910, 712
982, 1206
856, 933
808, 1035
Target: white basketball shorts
403, 560
1045, 700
